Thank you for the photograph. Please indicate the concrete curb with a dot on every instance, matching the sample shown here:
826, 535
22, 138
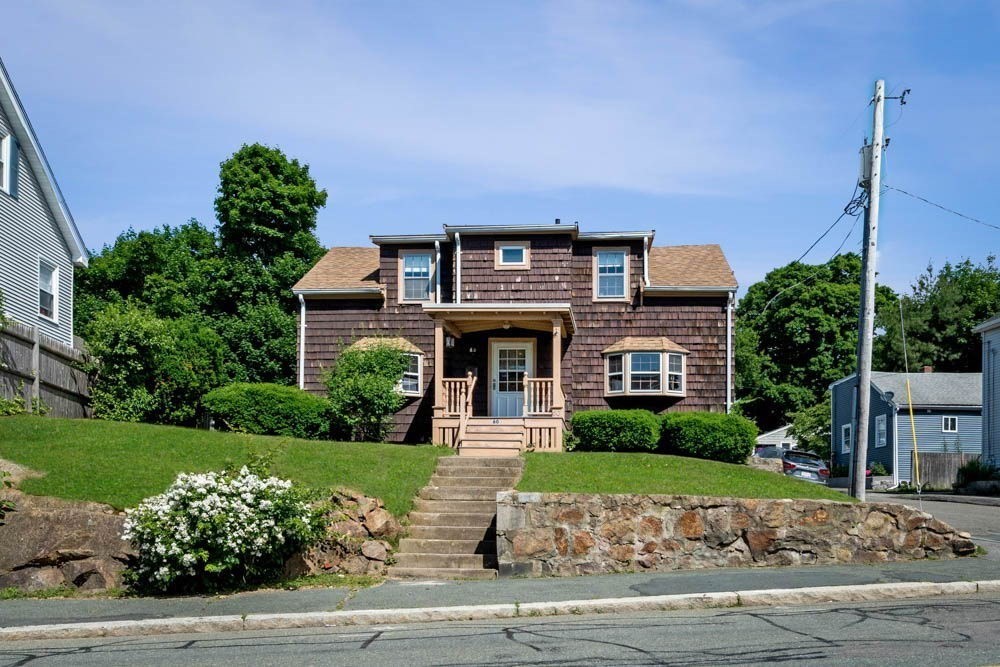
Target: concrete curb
253, 622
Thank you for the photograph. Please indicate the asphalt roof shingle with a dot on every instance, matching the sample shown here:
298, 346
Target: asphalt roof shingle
689, 266
343, 268
940, 389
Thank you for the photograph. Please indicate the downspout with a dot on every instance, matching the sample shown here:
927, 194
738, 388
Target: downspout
645, 260
458, 268
729, 352
437, 272
302, 342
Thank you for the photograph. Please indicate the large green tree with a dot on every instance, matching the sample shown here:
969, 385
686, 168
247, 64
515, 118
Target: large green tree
796, 333
267, 205
940, 313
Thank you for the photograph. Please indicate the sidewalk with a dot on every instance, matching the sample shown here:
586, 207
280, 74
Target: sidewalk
416, 594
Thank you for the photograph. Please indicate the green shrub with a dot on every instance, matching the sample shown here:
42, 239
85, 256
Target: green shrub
269, 409
977, 471
708, 435
878, 469
615, 430
364, 391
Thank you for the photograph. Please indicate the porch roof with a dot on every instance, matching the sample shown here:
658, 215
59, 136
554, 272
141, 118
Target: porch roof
462, 318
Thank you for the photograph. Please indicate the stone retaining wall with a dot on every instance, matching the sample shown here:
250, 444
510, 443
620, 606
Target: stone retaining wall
569, 534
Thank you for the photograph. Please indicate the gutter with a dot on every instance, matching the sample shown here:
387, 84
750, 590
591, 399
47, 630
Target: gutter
437, 271
458, 267
729, 352
343, 292
691, 288
302, 341
645, 261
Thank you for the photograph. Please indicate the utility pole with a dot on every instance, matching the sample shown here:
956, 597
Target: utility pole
866, 328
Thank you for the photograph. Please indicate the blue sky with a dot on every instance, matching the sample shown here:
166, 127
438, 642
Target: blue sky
708, 121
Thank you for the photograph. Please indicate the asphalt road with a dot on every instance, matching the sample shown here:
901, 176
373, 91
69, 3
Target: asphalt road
955, 632
982, 521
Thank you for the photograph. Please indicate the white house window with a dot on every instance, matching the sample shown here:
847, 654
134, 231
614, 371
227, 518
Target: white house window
610, 270
675, 372
5, 163
616, 373
417, 276
880, 431
845, 438
512, 255
949, 424
412, 383
644, 371
48, 288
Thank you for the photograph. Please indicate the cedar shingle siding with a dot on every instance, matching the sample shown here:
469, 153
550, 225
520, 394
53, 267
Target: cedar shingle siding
561, 272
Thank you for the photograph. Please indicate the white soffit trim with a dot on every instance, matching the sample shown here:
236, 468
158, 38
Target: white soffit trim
32, 149
370, 292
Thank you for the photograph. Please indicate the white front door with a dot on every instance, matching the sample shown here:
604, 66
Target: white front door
509, 362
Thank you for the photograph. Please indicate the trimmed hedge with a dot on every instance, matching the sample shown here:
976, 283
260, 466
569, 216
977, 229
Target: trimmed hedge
615, 430
708, 435
269, 409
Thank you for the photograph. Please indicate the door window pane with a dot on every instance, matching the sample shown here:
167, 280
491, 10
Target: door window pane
512, 364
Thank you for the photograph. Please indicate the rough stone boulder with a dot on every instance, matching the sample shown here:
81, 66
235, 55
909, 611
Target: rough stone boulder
49, 542
357, 540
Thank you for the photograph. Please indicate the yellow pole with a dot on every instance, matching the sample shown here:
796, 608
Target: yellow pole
913, 430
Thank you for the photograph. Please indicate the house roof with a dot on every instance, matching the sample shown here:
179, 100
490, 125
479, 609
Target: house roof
33, 154
343, 269
933, 389
644, 344
690, 266
398, 343
988, 325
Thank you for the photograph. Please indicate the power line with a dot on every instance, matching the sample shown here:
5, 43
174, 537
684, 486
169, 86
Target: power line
943, 208
852, 208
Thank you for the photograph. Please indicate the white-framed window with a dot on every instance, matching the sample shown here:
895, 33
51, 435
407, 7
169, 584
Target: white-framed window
616, 373
5, 163
881, 433
644, 372
48, 290
845, 439
416, 275
512, 255
949, 424
412, 382
610, 273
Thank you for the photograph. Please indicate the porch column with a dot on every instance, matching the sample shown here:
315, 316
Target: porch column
438, 368
557, 394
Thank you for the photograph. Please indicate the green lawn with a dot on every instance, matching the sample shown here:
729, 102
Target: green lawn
120, 464
602, 472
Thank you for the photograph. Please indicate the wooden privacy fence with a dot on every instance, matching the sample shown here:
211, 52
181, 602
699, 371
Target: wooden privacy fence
35, 366
939, 470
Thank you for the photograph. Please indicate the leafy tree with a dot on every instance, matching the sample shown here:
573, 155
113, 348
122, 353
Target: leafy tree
811, 427
940, 314
796, 334
151, 369
267, 205
364, 390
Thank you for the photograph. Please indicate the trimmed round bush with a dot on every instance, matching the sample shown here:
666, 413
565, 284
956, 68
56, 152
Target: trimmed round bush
708, 435
615, 431
269, 409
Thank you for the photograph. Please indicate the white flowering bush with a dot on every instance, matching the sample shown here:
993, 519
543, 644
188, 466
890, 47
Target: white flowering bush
216, 531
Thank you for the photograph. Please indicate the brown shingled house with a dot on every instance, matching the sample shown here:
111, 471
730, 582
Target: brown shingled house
512, 328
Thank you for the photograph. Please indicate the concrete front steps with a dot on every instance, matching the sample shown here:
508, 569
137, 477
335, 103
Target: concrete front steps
491, 437
452, 532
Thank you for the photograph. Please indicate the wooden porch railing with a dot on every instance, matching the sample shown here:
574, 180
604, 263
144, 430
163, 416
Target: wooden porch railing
458, 395
541, 395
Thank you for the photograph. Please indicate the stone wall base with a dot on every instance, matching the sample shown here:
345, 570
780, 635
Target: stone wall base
569, 534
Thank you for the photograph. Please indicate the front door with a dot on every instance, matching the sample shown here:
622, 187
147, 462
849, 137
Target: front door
509, 361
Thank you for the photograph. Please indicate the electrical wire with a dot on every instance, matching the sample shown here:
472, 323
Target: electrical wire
943, 208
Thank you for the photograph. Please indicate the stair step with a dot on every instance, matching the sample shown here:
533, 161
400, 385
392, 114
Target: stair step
510, 472
457, 493
459, 462
441, 573
494, 428
477, 533
424, 546
456, 520
464, 561
477, 451
455, 506
499, 483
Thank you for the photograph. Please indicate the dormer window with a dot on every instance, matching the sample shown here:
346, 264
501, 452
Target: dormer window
512, 255
416, 276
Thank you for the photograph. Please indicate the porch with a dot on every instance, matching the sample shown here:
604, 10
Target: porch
497, 377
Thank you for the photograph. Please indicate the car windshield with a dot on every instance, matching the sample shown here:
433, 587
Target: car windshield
807, 459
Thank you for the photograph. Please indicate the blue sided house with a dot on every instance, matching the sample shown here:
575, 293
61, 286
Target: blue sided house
947, 412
